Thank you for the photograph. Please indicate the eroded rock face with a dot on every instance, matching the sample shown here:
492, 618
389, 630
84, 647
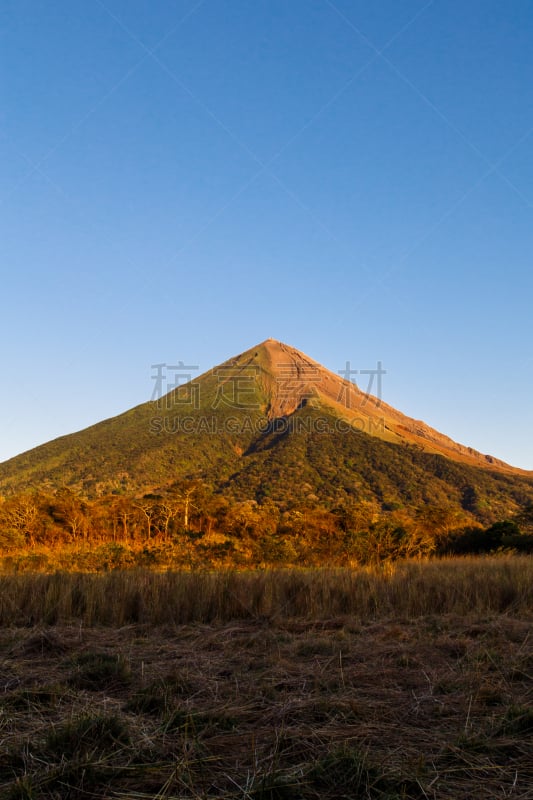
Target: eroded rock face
290, 379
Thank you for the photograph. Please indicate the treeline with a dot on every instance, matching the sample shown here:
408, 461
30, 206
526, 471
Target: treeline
189, 525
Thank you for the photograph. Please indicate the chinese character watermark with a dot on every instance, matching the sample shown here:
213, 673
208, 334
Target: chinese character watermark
170, 378
296, 380
345, 395
236, 387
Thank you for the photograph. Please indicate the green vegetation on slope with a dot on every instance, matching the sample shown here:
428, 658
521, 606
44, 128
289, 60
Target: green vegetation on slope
209, 474
309, 461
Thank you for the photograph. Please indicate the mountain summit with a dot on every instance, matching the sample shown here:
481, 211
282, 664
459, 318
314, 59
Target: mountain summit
289, 379
272, 422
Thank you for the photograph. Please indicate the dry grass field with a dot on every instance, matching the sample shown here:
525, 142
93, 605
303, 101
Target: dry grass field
414, 683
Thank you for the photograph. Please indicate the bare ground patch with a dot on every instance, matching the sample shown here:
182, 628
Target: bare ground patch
438, 707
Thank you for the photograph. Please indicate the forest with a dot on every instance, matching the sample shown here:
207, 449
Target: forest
191, 526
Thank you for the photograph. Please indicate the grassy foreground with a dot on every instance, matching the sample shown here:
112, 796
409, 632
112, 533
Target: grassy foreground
406, 589
415, 683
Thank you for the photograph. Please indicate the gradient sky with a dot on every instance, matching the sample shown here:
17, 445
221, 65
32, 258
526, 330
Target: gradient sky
183, 179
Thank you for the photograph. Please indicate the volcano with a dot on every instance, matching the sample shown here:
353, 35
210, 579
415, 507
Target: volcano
272, 422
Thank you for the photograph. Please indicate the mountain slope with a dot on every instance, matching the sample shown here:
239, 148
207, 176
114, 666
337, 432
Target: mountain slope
289, 376
271, 422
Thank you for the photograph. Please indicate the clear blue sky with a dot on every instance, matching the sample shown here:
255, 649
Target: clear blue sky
183, 179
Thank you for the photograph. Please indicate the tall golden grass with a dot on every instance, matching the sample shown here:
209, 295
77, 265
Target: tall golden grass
407, 590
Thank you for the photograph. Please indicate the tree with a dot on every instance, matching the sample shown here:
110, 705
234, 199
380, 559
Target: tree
147, 506
123, 515
184, 498
21, 517
435, 525
168, 511
70, 511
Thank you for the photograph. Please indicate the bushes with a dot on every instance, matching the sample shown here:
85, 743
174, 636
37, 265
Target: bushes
505, 535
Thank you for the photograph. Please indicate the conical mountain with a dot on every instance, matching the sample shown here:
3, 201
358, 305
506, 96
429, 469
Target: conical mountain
272, 422
288, 378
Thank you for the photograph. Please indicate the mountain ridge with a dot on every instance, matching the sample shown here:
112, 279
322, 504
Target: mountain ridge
357, 406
